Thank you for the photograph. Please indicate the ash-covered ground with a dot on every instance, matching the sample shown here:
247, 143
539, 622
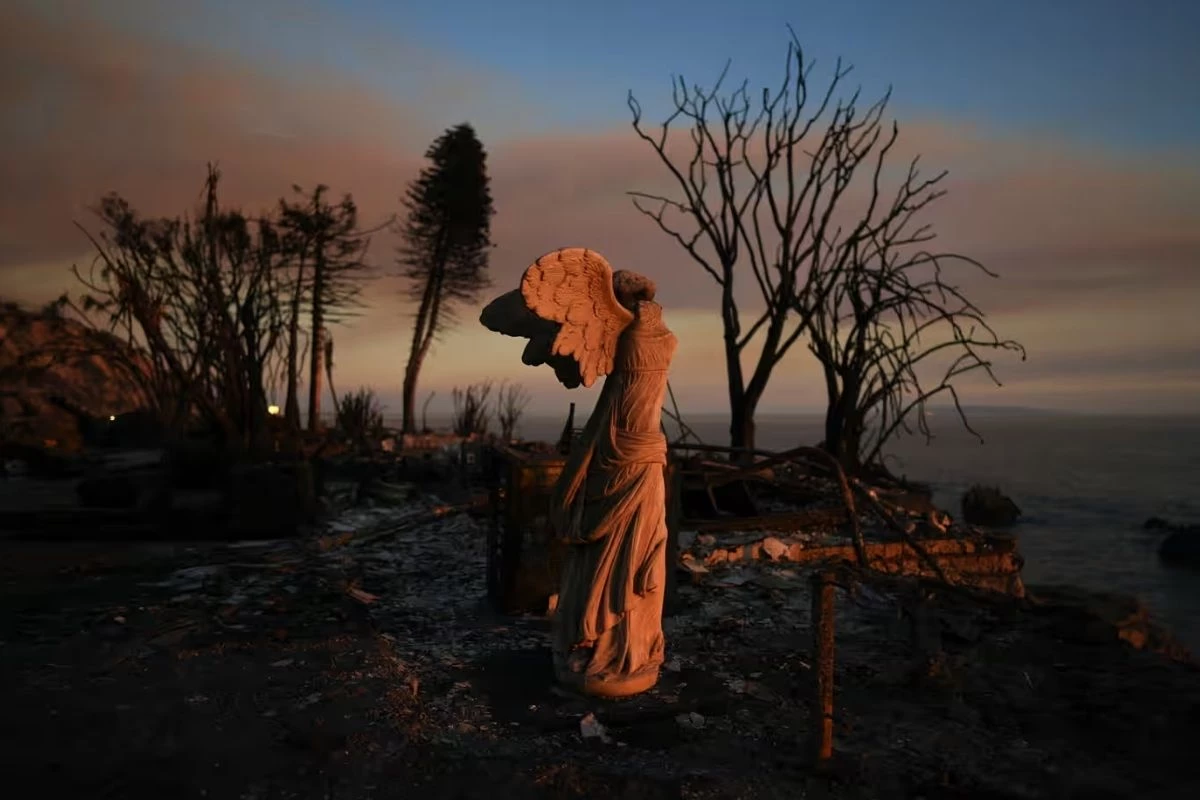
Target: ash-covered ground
364, 663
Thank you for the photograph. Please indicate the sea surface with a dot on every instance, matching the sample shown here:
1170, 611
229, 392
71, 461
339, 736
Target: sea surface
1084, 483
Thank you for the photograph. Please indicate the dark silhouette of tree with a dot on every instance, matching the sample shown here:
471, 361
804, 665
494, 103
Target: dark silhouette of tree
471, 413
894, 332
360, 416
197, 301
425, 412
327, 274
510, 407
763, 196
446, 243
328, 361
789, 192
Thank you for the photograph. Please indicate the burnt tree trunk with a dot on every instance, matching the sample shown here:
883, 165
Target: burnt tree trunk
844, 427
742, 429
423, 332
744, 396
741, 404
318, 349
416, 357
328, 341
410, 392
291, 406
412, 373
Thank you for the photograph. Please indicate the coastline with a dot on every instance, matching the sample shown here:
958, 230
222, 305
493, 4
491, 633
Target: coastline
1085, 483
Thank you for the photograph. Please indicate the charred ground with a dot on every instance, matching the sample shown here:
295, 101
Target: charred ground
364, 662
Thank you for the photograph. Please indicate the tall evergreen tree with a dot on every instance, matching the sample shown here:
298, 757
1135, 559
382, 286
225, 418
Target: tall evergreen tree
446, 240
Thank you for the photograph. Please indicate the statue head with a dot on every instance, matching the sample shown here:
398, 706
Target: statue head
632, 288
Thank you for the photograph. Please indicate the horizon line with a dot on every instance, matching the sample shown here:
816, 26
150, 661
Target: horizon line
821, 413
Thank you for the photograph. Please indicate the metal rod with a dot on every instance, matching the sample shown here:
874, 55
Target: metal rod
823, 637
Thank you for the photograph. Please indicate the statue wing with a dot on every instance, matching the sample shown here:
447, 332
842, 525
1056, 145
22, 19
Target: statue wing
573, 287
508, 314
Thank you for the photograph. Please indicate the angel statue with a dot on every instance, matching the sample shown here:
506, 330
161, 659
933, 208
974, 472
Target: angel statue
609, 504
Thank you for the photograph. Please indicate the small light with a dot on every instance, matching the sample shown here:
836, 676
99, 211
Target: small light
112, 418
273, 410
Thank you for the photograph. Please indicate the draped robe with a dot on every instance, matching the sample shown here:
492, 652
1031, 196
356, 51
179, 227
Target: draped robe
610, 506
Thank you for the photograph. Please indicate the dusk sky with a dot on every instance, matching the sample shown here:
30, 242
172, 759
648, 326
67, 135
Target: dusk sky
1071, 129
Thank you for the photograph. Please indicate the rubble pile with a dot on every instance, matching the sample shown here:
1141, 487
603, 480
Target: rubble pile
786, 509
970, 558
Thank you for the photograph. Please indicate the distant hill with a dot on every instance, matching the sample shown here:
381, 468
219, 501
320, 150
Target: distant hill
54, 378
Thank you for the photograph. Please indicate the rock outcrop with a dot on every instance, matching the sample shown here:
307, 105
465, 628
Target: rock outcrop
985, 505
1181, 547
60, 381
1104, 616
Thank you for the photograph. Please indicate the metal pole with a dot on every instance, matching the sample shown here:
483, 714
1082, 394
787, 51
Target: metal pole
823, 635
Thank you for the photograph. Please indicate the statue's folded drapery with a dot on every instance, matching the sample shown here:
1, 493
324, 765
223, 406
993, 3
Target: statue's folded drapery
611, 506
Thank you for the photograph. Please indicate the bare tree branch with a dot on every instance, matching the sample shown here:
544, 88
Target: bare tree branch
510, 408
762, 191
889, 315
196, 303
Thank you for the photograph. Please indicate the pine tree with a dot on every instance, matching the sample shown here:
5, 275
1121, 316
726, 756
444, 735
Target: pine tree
447, 237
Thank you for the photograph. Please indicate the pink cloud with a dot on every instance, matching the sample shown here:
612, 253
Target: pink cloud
100, 110
92, 109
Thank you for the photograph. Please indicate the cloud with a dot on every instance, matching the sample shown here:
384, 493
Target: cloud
1090, 244
96, 111
1053, 223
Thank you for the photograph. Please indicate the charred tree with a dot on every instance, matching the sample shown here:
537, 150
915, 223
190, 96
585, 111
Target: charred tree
472, 416
446, 243
510, 408
360, 416
293, 222
328, 361
894, 331
328, 273
763, 199
197, 300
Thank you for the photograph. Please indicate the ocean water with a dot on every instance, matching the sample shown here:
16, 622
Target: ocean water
1085, 485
